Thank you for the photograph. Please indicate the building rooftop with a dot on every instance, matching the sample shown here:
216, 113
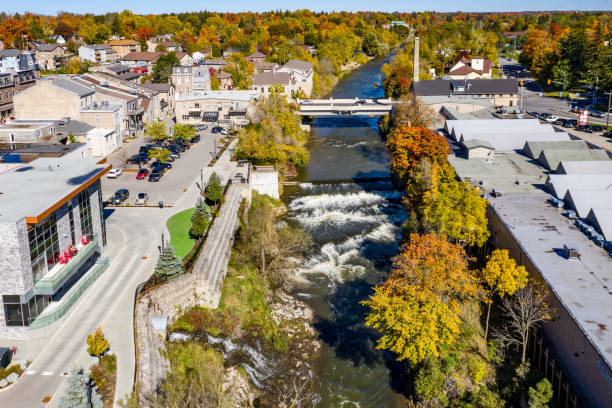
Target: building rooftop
271, 78
550, 159
142, 56
48, 47
508, 142
298, 65
242, 96
469, 87
73, 87
157, 87
12, 126
457, 128
123, 42
585, 167
580, 284
582, 201
558, 184
40, 186
534, 148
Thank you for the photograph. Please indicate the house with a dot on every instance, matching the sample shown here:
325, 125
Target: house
216, 64
163, 46
226, 82
165, 98
301, 72
475, 67
184, 59
122, 72
228, 52
97, 53
263, 82
53, 231
265, 66
256, 57
199, 56
230, 107
187, 79
124, 47
58, 39
101, 142
501, 92
143, 60
50, 56
16, 61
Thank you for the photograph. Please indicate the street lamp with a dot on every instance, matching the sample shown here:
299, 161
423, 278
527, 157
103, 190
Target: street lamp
595, 89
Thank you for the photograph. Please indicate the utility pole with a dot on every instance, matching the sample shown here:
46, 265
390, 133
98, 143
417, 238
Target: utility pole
608, 112
595, 90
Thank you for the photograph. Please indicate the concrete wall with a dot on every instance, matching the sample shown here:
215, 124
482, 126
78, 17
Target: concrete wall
15, 265
46, 101
581, 363
265, 181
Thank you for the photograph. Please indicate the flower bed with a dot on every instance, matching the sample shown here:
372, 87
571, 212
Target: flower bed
12, 373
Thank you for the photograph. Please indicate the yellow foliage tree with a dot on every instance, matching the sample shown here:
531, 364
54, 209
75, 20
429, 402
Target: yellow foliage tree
97, 343
501, 276
156, 131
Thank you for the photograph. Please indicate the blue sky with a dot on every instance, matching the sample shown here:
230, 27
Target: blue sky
165, 6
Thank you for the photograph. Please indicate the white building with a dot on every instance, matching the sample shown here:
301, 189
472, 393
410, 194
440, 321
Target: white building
230, 107
301, 72
98, 53
263, 82
102, 142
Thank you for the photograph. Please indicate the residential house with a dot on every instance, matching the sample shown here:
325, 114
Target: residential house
50, 56
101, 142
124, 47
230, 107
122, 72
256, 57
165, 101
265, 66
301, 72
184, 59
501, 92
163, 46
217, 64
98, 53
226, 82
199, 56
187, 79
263, 82
58, 39
228, 52
53, 231
141, 61
475, 67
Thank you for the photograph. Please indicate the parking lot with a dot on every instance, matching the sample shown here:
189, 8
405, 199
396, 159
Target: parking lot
174, 182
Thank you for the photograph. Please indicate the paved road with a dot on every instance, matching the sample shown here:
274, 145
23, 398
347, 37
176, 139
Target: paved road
134, 235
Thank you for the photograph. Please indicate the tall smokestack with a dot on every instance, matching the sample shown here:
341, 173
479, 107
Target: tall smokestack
415, 73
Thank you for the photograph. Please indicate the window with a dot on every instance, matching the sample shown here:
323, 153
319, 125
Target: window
44, 246
22, 314
102, 222
85, 213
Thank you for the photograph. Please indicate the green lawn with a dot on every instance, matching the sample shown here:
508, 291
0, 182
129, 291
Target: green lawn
179, 225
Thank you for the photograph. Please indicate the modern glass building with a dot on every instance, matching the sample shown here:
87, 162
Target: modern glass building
52, 231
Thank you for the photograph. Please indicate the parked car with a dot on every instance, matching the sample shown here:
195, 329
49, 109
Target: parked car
142, 173
142, 199
120, 196
360, 102
174, 155
596, 128
176, 148
559, 121
114, 173
138, 159
584, 128
551, 119
306, 102
596, 113
570, 123
155, 176
607, 133
195, 139
163, 165
200, 127
216, 129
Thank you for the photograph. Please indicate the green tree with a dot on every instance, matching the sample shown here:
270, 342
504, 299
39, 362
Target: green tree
540, 396
182, 131
162, 70
156, 131
168, 265
79, 387
429, 383
97, 343
501, 276
92, 32
201, 209
213, 188
161, 155
199, 224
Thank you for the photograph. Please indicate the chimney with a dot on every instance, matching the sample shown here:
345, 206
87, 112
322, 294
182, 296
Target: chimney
415, 72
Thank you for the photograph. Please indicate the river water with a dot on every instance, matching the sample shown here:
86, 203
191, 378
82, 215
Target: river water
345, 200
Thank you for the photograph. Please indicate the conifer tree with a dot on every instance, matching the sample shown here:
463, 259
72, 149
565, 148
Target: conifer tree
213, 189
76, 394
168, 264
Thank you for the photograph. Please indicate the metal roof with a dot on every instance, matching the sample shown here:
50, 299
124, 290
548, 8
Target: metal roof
508, 142
602, 219
550, 159
471, 87
457, 127
534, 148
583, 200
585, 167
73, 87
271, 78
560, 183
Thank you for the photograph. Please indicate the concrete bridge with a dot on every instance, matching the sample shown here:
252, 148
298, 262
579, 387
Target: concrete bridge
345, 107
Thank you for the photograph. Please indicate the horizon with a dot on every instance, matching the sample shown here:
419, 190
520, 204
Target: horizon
142, 7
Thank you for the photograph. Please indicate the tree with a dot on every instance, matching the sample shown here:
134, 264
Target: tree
162, 70
168, 265
540, 396
80, 392
97, 343
92, 32
161, 155
199, 224
412, 112
526, 309
182, 131
201, 209
213, 188
156, 131
501, 276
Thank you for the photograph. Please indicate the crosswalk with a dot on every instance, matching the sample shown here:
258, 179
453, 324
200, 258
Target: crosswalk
47, 373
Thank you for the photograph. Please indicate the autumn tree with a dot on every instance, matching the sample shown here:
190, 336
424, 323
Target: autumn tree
501, 276
412, 112
97, 343
182, 131
524, 310
92, 32
160, 155
156, 131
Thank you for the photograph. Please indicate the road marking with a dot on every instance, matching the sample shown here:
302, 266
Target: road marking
47, 373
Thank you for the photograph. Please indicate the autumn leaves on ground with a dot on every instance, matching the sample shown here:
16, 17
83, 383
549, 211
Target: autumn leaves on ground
433, 310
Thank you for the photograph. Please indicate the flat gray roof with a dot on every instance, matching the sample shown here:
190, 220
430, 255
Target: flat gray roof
31, 189
580, 285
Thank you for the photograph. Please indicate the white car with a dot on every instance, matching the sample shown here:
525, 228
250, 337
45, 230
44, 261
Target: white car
114, 173
306, 102
551, 119
142, 199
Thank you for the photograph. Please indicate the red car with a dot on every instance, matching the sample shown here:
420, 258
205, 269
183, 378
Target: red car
142, 173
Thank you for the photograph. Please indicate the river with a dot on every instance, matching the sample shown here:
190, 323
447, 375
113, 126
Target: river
355, 223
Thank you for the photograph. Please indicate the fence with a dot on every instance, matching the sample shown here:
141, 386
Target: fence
543, 360
100, 266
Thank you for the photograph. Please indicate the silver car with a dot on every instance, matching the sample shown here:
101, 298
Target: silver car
142, 199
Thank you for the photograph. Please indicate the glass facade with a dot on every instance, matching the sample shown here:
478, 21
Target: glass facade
101, 206
44, 246
22, 314
85, 214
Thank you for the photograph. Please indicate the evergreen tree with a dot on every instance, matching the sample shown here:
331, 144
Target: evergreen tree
76, 394
213, 189
199, 224
163, 68
201, 209
168, 264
